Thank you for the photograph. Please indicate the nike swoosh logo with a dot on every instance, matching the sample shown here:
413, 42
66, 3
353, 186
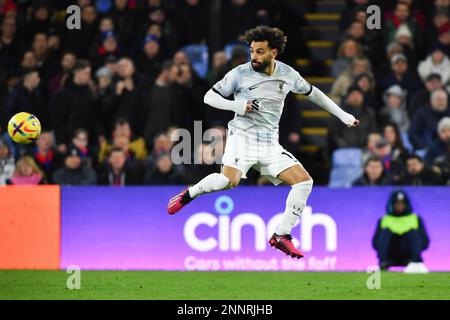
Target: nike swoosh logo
252, 87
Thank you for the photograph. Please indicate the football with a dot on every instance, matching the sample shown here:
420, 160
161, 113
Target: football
24, 128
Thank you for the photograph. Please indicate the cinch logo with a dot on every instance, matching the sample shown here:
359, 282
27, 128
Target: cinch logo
230, 230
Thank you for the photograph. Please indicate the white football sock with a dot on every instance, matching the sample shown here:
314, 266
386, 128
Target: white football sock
295, 203
210, 183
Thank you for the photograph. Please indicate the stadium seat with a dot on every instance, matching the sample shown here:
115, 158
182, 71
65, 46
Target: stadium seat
198, 55
347, 158
344, 177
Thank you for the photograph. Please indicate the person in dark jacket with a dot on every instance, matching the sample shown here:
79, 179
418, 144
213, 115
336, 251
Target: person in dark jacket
403, 75
80, 41
46, 157
189, 19
421, 98
74, 172
400, 236
160, 108
442, 164
374, 174
27, 97
126, 101
149, 59
423, 127
342, 136
119, 171
439, 146
163, 173
418, 174
74, 107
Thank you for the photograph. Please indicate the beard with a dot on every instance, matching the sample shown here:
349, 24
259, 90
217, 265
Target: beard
258, 67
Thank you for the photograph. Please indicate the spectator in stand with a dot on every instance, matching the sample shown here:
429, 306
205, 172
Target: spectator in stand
106, 24
46, 157
109, 46
218, 62
124, 22
27, 97
394, 109
163, 173
357, 32
401, 16
88, 154
80, 41
421, 98
442, 165
369, 149
119, 171
136, 144
398, 153
74, 106
56, 83
374, 174
160, 106
7, 163
439, 146
341, 136
401, 75
436, 63
404, 37
237, 17
383, 151
189, 18
349, 11
149, 59
47, 60
11, 45
126, 102
348, 50
74, 172
347, 78
385, 65
162, 143
439, 19
105, 92
423, 127
27, 172
444, 39
366, 83
418, 174
28, 62
39, 22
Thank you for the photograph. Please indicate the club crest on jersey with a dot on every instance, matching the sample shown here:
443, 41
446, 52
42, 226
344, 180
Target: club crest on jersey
280, 86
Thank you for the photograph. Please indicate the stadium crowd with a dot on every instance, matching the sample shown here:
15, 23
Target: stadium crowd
110, 95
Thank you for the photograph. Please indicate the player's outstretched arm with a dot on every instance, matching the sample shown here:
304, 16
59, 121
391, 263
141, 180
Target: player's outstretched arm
323, 101
215, 99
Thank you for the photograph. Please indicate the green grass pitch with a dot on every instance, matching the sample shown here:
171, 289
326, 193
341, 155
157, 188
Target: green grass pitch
221, 285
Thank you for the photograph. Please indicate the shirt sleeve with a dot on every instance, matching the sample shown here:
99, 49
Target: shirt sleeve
300, 85
229, 83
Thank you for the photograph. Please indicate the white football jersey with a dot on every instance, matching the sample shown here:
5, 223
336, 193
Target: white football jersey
270, 92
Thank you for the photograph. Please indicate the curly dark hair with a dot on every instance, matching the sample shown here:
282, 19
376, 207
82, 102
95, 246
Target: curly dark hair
274, 36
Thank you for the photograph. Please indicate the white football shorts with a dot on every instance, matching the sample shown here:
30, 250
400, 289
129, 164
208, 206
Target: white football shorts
267, 156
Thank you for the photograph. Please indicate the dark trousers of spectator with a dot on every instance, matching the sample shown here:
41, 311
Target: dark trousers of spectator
395, 250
